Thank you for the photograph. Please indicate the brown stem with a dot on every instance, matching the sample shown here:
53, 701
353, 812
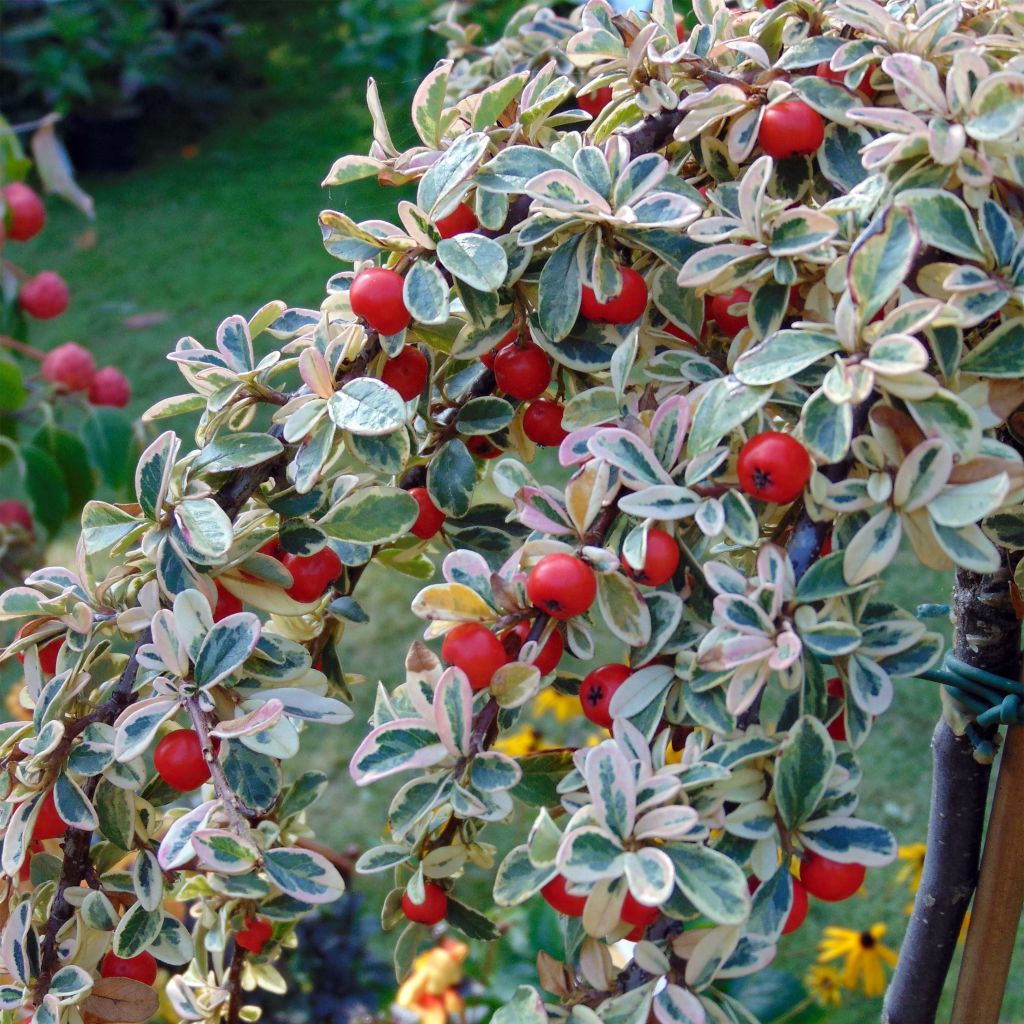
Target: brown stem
6, 341
77, 866
987, 636
234, 984
237, 814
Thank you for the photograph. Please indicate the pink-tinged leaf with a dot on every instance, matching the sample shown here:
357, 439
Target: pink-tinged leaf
535, 509
787, 650
733, 651
668, 429
612, 788
453, 711
316, 373
176, 846
746, 683
257, 721
405, 744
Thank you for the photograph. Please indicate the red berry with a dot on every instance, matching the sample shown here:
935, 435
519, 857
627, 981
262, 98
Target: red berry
227, 604
678, 332
774, 467
790, 128
562, 586
476, 650
459, 222
549, 655
637, 933
798, 911
826, 547
624, 308
542, 422
431, 910
837, 727
482, 447
522, 371
376, 296
179, 760
49, 823
70, 367
48, 653
597, 690
255, 934
430, 518
110, 387
730, 323
25, 214
407, 372
824, 70
636, 913
660, 562
44, 296
311, 574
14, 512
829, 880
138, 968
594, 102
559, 899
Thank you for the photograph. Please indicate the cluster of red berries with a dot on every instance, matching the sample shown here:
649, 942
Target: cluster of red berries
479, 653
45, 295
637, 915
826, 880
69, 367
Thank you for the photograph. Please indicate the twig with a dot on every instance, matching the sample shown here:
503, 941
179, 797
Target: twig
77, 865
6, 341
234, 985
238, 815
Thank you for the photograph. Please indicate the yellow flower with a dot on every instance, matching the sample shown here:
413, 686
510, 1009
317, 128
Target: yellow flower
825, 985
910, 872
864, 957
430, 991
523, 741
561, 705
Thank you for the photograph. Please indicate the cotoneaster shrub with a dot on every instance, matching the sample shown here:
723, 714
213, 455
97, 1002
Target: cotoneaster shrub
768, 269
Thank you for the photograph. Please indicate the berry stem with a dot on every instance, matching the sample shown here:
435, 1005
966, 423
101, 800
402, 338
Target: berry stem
6, 341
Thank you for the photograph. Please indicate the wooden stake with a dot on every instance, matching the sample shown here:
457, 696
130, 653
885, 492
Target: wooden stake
999, 898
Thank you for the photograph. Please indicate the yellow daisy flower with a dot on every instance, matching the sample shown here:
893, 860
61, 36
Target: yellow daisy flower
910, 871
561, 705
864, 956
824, 985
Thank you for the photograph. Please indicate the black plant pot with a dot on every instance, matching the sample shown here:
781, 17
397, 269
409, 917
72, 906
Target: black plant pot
104, 142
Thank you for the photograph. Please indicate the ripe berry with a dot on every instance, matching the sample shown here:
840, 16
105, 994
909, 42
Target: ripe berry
459, 222
15, 513
70, 367
476, 650
790, 128
730, 323
483, 447
25, 214
824, 70
594, 102
597, 690
522, 371
542, 423
562, 586
311, 574
828, 879
407, 372
559, 899
430, 518
837, 727
636, 913
138, 968
49, 823
678, 332
660, 562
637, 933
798, 911
110, 387
431, 910
179, 760
376, 296
624, 308
227, 604
255, 934
774, 467
547, 658
48, 653
44, 296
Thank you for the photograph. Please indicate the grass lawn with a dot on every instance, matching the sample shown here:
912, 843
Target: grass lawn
192, 240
